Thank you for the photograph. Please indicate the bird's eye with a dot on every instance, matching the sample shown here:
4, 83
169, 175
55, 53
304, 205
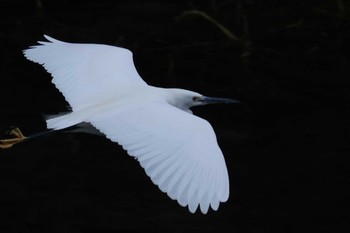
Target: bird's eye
196, 98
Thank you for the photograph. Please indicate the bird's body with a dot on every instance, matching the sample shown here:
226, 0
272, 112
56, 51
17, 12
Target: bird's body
177, 149
126, 100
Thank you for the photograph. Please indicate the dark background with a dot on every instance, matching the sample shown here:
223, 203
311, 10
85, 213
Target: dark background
286, 145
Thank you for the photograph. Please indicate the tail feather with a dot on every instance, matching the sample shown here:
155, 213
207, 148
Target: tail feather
62, 122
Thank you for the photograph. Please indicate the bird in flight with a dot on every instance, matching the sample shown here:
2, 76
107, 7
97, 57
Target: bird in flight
178, 150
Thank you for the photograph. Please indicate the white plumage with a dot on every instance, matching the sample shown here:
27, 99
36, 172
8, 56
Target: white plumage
178, 150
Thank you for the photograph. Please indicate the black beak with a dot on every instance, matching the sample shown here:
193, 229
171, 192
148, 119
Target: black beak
215, 100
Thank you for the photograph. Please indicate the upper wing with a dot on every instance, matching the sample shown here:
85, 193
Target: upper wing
178, 151
85, 73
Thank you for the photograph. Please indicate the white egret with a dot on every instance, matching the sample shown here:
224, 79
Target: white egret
178, 150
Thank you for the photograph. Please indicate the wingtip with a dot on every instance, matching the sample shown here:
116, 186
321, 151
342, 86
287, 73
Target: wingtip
50, 39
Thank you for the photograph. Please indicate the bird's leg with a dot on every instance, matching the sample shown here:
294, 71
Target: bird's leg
8, 143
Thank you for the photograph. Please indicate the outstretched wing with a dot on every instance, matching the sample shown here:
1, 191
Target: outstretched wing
178, 151
85, 73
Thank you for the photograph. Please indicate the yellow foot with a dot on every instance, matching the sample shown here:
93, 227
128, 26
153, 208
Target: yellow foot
8, 143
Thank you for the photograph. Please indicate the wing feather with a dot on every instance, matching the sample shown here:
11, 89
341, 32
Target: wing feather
182, 157
86, 74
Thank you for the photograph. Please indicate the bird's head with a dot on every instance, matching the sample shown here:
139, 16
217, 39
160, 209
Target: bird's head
185, 99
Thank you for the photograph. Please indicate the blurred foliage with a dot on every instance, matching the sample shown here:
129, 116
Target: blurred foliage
201, 43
